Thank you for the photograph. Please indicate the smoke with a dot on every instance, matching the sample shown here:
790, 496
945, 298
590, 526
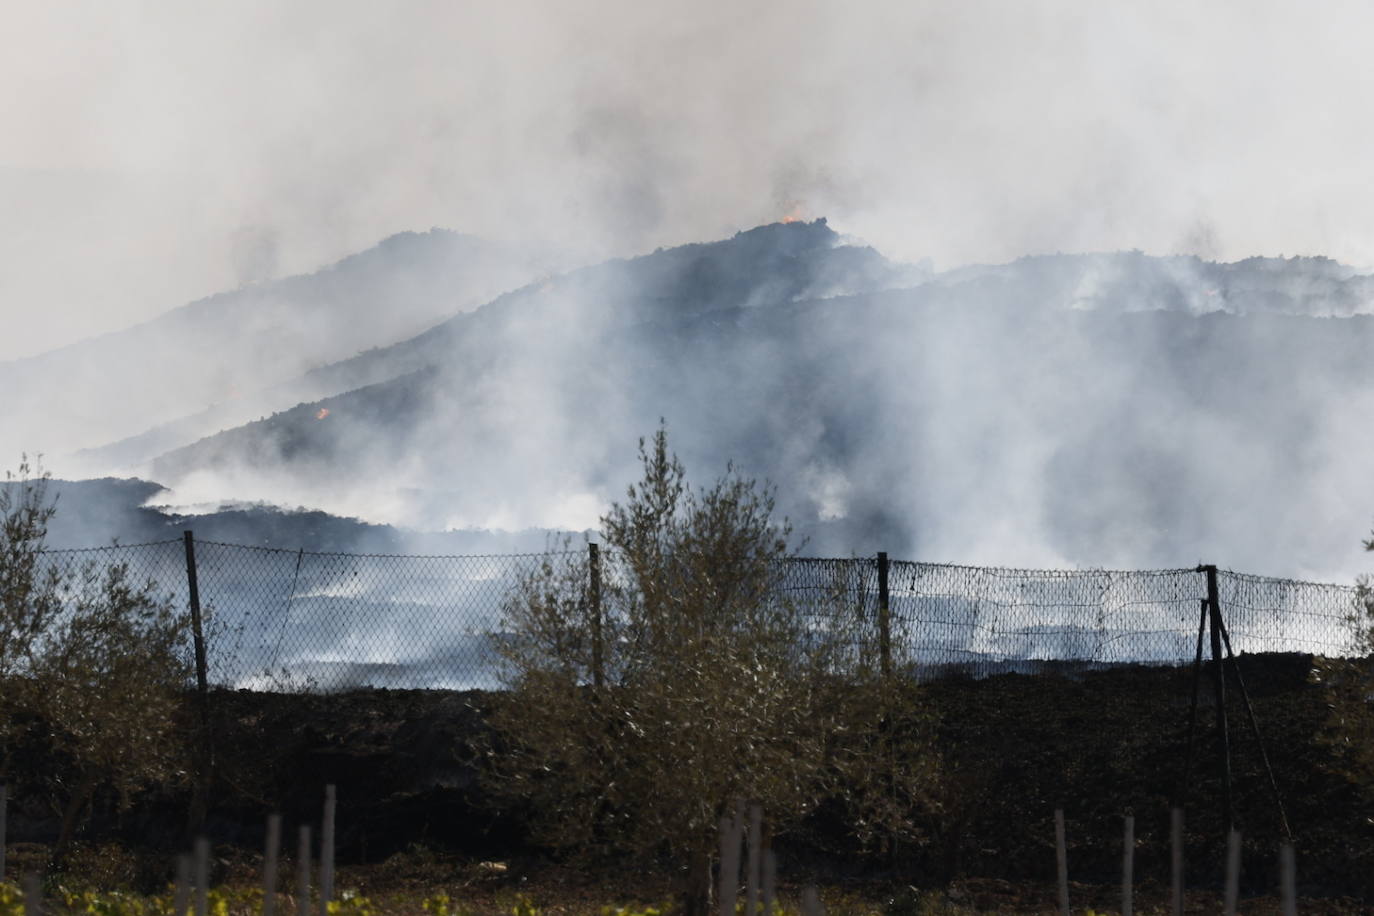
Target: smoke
158, 155
1062, 411
254, 255
142, 139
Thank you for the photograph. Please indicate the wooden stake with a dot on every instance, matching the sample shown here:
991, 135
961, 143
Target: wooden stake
269, 865
1062, 859
1232, 872
811, 903
303, 872
752, 876
327, 852
181, 897
1176, 869
202, 867
1288, 878
33, 895
770, 880
729, 865
1128, 867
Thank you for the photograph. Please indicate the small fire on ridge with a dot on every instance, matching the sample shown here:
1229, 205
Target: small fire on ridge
321, 413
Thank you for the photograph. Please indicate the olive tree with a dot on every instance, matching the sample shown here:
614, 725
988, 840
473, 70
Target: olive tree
1349, 683
92, 665
29, 596
29, 589
649, 695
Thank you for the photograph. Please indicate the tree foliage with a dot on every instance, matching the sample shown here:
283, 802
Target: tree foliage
29, 590
92, 666
647, 696
1349, 682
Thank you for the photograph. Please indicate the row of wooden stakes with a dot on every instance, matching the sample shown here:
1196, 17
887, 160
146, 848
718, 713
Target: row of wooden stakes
192, 887
1231, 890
761, 867
760, 878
761, 871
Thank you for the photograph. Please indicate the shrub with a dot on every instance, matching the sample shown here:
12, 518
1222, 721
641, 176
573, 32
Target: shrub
92, 666
636, 717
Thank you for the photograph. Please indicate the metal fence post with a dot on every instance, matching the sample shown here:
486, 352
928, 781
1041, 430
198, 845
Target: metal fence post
197, 630
203, 751
1219, 681
884, 618
594, 562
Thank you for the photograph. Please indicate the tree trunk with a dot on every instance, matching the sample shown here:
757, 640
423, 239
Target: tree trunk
71, 819
696, 896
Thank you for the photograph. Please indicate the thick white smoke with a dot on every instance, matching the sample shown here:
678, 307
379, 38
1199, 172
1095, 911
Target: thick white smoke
157, 154
153, 149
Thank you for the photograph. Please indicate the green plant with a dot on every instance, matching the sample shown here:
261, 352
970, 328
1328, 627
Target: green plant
351, 903
11, 899
108, 903
111, 673
443, 905
632, 911
915, 902
1349, 683
100, 866
30, 597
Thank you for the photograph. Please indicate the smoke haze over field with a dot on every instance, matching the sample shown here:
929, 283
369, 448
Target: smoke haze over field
156, 153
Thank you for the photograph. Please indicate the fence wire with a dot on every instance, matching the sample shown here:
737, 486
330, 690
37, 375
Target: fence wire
295, 620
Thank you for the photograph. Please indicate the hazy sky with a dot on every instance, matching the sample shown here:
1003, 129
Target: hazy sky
156, 152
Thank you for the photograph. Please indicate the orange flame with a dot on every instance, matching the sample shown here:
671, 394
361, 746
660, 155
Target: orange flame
322, 413
794, 213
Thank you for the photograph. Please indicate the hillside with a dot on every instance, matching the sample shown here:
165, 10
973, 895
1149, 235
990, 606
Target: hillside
762, 266
222, 350
98, 513
1133, 281
1061, 410
981, 421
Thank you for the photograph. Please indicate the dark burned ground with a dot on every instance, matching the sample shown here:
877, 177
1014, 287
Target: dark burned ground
1014, 747
1115, 742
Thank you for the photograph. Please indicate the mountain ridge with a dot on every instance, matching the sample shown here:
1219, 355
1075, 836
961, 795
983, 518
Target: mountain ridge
1107, 409
727, 259
219, 347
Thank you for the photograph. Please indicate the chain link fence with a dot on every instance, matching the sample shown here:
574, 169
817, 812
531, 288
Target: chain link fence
298, 620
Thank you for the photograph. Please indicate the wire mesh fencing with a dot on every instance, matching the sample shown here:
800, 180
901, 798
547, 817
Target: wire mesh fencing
969, 620
292, 620
295, 620
75, 579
